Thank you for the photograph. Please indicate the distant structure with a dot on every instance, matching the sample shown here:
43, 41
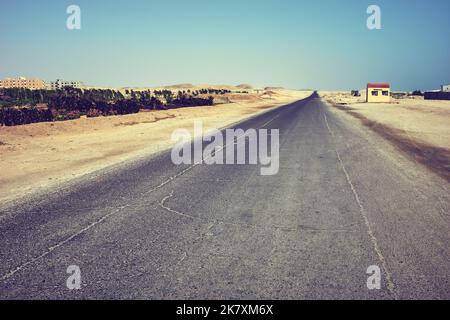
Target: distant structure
443, 94
22, 82
378, 92
60, 84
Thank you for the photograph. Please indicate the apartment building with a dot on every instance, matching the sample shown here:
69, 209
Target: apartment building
60, 84
445, 88
22, 82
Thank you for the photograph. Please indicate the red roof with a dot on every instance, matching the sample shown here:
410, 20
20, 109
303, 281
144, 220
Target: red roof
378, 85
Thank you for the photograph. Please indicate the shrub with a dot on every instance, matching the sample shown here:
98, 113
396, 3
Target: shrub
15, 116
93, 113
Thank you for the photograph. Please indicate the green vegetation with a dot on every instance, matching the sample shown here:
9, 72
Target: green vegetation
24, 106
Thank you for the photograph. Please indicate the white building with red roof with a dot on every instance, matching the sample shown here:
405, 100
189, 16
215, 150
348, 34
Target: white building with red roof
378, 92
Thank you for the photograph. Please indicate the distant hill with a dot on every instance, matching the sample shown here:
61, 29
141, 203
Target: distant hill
273, 88
180, 86
245, 86
192, 87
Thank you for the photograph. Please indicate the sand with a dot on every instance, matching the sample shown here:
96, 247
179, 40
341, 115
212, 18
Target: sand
43, 155
417, 126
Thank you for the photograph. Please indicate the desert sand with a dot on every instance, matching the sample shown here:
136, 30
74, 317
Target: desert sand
417, 126
43, 155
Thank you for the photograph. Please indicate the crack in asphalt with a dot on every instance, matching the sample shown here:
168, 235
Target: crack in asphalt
362, 210
163, 205
85, 229
58, 245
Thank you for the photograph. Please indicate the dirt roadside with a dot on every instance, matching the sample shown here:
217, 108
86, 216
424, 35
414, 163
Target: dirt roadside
42, 155
420, 128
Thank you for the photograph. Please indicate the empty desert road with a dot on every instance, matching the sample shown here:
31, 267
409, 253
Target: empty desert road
344, 199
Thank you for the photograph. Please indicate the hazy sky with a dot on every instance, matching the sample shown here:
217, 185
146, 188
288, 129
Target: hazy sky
319, 44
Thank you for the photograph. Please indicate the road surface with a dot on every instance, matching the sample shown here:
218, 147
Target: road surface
344, 200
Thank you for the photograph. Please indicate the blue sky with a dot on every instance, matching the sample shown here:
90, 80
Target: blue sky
319, 44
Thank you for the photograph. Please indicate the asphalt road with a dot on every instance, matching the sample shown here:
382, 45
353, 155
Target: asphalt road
344, 199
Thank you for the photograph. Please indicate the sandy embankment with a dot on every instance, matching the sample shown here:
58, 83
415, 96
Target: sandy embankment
43, 155
421, 128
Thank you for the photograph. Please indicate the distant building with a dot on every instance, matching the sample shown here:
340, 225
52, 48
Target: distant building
60, 84
378, 92
443, 94
22, 82
445, 88
437, 95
